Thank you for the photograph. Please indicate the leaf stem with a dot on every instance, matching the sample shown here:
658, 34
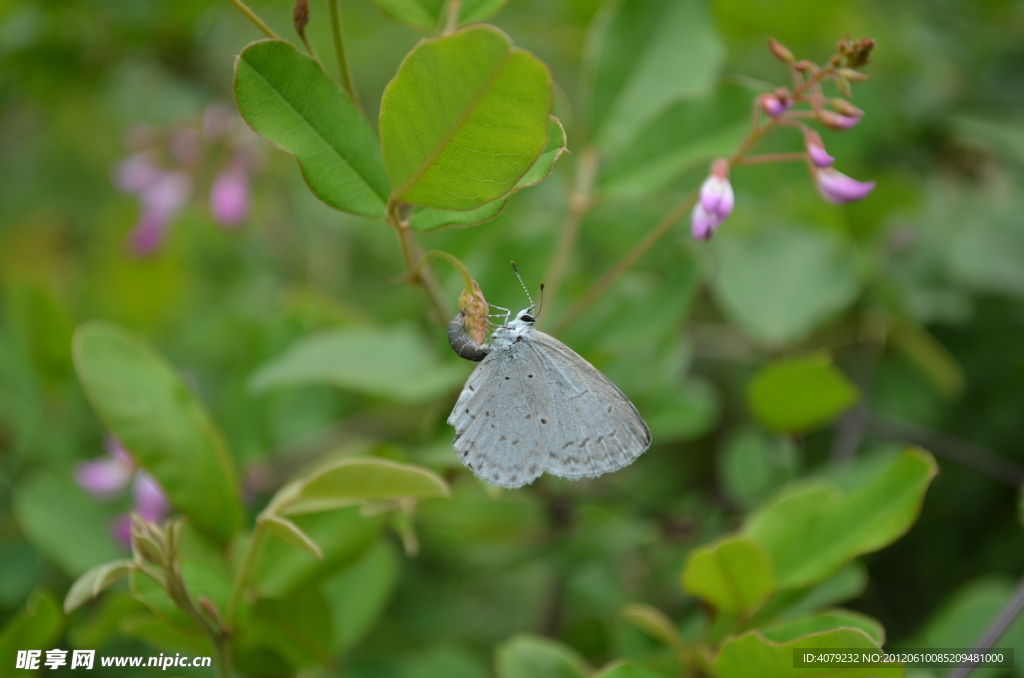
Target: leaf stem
419, 273
339, 49
580, 202
249, 559
451, 16
251, 16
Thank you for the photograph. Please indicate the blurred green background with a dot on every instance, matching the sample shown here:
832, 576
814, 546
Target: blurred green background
923, 312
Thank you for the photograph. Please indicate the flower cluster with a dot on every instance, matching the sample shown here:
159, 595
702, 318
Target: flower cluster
107, 477
164, 166
715, 201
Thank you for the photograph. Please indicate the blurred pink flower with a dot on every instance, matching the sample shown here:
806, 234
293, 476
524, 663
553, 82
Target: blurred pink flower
229, 195
816, 149
774, 106
161, 200
836, 187
715, 203
838, 121
107, 476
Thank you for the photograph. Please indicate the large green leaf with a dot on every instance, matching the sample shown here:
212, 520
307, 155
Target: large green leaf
812, 530
143, 401
287, 98
796, 394
526, 656
350, 481
754, 465
779, 284
734, 575
463, 119
825, 621
429, 12
430, 219
394, 363
647, 54
359, 595
752, 656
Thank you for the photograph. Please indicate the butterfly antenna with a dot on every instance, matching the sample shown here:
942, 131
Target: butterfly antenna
516, 269
540, 306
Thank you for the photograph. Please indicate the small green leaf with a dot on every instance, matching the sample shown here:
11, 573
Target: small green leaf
290, 533
142, 400
646, 55
811, 531
343, 537
654, 622
752, 656
734, 575
469, 137
830, 620
359, 595
779, 284
796, 394
288, 100
428, 13
394, 363
754, 465
526, 656
349, 481
94, 582
429, 219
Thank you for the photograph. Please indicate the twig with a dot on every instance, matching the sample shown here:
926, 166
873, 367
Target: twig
945, 445
251, 16
995, 631
339, 49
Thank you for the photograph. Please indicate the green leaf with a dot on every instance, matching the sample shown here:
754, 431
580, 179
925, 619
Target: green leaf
964, 613
754, 466
348, 481
359, 595
142, 400
288, 100
734, 575
647, 54
526, 656
752, 656
394, 363
36, 627
429, 219
297, 630
780, 284
826, 621
797, 394
290, 533
847, 584
67, 525
94, 582
811, 531
655, 622
429, 13
343, 537
469, 137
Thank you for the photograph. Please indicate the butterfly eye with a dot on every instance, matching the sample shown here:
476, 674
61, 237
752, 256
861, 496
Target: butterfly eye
526, 318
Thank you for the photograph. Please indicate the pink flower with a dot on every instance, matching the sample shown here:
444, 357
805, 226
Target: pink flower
715, 203
838, 121
836, 187
106, 477
229, 195
773, 105
161, 200
816, 149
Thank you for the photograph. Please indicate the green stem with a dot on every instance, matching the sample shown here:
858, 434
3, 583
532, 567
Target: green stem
772, 157
249, 559
580, 203
459, 266
451, 16
218, 637
339, 49
419, 273
251, 16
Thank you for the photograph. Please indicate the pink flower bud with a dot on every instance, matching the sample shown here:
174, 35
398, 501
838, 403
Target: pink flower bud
780, 51
702, 224
834, 120
229, 195
836, 187
816, 149
774, 106
715, 203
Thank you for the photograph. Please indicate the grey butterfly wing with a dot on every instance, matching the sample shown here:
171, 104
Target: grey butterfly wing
596, 428
491, 417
